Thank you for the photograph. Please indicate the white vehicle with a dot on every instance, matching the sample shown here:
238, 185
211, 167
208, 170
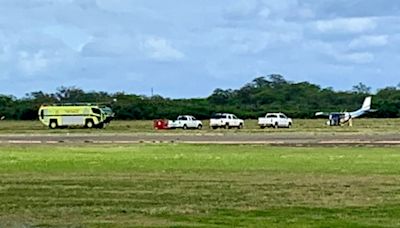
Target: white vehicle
185, 122
275, 120
225, 120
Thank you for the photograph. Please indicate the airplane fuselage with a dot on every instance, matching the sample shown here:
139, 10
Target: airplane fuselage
337, 119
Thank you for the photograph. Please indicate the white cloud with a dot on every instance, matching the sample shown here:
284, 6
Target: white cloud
31, 54
242, 9
282, 7
357, 57
268, 9
286, 9
253, 42
32, 63
265, 13
160, 49
113, 45
74, 37
369, 41
346, 25
340, 54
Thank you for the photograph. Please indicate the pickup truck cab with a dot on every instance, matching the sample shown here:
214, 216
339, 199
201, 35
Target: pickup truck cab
225, 120
275, 120
185, 122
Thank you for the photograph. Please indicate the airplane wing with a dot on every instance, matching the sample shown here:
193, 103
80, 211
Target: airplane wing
322, 114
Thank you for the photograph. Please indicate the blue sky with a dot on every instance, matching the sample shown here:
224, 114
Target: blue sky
187, 48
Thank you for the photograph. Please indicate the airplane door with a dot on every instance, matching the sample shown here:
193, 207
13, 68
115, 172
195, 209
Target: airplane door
334, 119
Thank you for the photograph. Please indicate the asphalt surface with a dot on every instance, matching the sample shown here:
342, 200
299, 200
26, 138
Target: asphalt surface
286, 139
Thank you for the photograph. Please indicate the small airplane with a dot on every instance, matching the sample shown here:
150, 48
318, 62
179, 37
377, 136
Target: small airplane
340, 118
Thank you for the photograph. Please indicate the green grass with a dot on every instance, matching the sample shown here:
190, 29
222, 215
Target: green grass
193, 185
366, 126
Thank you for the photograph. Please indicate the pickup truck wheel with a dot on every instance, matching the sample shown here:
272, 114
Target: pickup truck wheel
185, 127
276, 125
262, 126
214, 127
240, 126
199, 127
227, 126
290, 125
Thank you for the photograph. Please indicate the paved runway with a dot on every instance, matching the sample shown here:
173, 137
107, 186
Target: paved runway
287, 139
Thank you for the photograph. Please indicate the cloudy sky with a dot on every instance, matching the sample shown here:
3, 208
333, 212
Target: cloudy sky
187, 48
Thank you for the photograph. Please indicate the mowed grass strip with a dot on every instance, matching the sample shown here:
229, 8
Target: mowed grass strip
193, 185
362, 125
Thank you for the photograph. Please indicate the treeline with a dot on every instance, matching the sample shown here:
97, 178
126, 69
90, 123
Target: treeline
264, 94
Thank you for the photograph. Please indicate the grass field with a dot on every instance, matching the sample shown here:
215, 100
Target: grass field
300, 125
192, 185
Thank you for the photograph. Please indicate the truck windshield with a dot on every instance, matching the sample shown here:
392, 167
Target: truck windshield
96, 111
108, 111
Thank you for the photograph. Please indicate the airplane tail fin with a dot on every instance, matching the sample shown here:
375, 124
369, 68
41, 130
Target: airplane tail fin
367, 104
366, 107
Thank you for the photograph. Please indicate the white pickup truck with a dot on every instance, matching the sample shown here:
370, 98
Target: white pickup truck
225, 120
275, 120
185, 122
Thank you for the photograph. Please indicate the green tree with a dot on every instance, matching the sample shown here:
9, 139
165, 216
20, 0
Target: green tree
362, 88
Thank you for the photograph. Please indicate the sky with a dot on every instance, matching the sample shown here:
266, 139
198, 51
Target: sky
188, 48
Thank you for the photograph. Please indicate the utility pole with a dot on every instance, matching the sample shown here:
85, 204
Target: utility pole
152, 92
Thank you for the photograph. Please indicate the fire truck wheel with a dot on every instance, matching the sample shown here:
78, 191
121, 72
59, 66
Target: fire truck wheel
53, 124
89, 124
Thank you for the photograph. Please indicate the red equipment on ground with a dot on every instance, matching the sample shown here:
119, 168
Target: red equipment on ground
160, 124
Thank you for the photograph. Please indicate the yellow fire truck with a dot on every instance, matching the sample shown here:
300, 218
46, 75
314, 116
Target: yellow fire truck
84, 115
